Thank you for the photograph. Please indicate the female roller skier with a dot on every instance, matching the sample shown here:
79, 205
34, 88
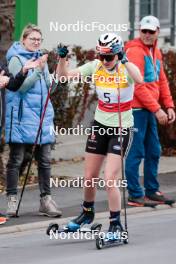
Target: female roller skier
110, 72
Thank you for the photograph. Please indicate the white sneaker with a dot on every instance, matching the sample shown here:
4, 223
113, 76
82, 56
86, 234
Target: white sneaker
12, 203
48, 207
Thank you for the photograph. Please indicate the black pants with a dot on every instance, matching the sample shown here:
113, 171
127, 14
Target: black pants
104, 139
16, 157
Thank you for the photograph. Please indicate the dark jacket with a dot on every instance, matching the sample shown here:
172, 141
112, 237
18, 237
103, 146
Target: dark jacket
14, 82
13, 85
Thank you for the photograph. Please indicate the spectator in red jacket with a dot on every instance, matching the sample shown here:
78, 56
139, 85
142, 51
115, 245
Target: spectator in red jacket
149, 98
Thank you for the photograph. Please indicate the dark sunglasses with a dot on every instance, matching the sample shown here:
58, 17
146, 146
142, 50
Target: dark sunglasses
108, 58
145, 31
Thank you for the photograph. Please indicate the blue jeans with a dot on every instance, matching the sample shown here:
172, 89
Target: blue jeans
145, 146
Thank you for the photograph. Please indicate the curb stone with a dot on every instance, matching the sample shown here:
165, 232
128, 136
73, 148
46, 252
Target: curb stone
44, 224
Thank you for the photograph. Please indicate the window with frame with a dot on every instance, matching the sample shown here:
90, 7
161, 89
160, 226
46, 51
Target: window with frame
158, 8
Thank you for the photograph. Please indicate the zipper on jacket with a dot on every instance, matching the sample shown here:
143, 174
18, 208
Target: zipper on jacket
11, 123
154, 64
20, 110
41, 111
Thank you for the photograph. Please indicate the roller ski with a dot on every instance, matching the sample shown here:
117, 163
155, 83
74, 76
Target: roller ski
82, 224
115, 236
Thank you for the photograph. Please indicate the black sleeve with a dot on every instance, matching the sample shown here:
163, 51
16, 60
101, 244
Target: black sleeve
16, 82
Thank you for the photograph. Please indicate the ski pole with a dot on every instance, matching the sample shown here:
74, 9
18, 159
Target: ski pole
35, 144
121, 154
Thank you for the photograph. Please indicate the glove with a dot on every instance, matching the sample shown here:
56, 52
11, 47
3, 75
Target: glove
116, 48
62, 51
122, 57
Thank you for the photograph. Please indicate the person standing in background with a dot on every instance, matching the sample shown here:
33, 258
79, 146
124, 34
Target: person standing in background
149, 98
23, 115
13, 84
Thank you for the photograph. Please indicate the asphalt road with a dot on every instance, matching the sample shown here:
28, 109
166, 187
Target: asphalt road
70, 200
152, 240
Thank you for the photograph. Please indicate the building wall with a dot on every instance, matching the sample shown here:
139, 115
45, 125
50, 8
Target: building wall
80, 12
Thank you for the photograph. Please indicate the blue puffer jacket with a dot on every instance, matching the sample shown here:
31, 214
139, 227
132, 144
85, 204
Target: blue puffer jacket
24, 110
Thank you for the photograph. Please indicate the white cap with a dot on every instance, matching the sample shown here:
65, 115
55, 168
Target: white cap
149, 22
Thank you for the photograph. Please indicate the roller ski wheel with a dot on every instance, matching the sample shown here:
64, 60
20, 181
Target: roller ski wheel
96, 227
108, 240
52, 227
126, 240
99, 242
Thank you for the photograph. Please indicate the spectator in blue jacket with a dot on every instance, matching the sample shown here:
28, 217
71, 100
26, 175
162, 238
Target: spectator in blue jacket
23, 115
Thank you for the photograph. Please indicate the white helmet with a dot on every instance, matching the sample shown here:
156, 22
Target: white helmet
109, 43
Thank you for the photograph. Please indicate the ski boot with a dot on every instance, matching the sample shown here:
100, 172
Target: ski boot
115, 236
86, 217
77, 224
